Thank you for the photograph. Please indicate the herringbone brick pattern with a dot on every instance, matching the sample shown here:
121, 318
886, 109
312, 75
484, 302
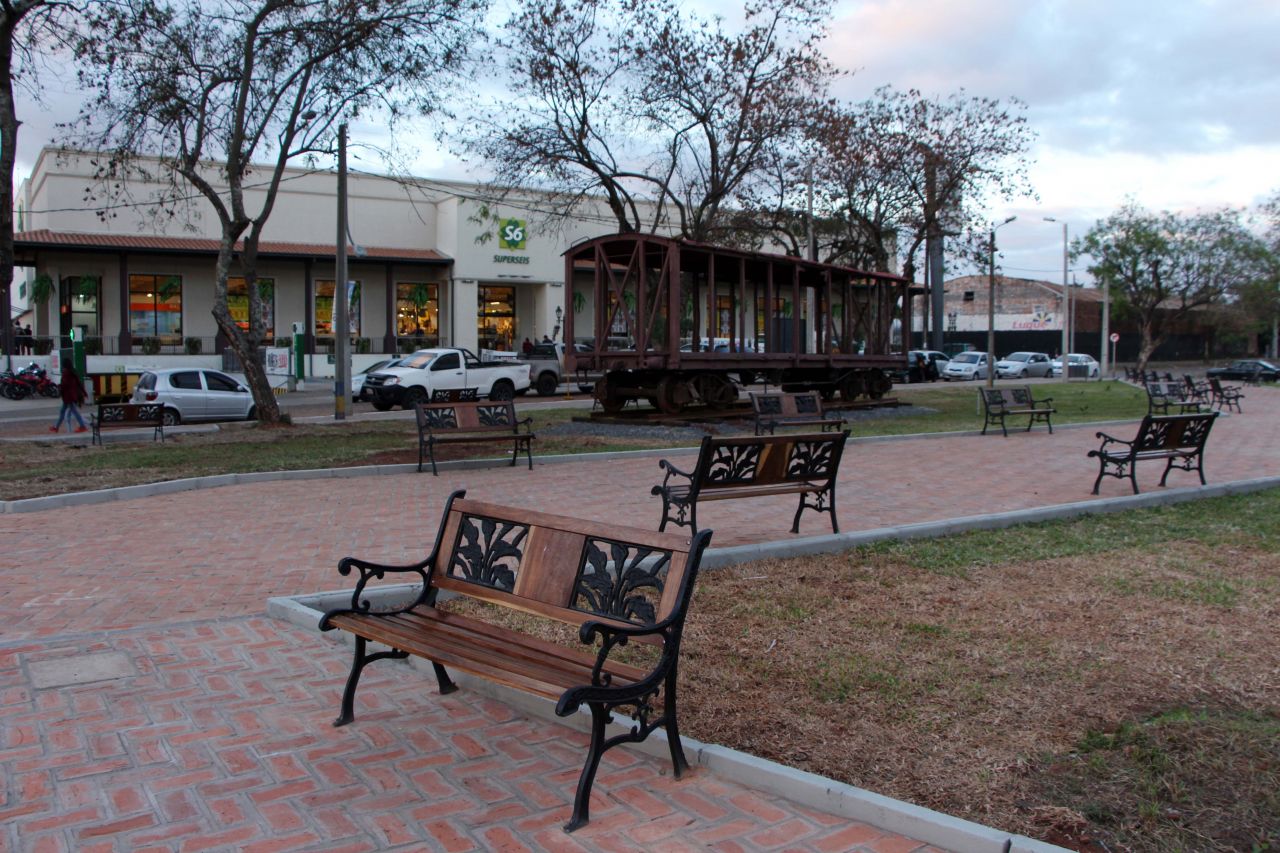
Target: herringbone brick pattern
223, 741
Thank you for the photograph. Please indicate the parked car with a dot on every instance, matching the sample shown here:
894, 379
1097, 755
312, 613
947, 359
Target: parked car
966, 365
1246, 368
357, 381
1077, 361
1020, 365
934, 358
415, 377
191, 394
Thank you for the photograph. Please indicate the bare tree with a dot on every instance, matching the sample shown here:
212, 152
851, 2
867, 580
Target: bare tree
223, 91
662, 115
1160, 267
26, 28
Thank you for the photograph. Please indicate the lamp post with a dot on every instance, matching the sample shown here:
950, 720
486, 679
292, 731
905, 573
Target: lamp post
1066, 300
991, 306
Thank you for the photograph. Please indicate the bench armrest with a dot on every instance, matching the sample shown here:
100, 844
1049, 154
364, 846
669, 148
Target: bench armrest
1109, 439
376, 571
527, 423
671, 470
601, 686
1045, 401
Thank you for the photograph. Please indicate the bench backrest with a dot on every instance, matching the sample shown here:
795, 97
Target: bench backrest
735, 461
788, 405
1007, 398
454, 395
1174, 432
567, 569
130, 413
478, 416
1175, 391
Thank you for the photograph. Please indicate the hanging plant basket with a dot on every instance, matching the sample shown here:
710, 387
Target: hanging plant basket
42, 288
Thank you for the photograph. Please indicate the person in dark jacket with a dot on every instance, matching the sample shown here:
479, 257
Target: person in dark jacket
73, 396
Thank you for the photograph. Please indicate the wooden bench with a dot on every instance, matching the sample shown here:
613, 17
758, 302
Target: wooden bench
1164, 397
1177, 439
455, 395
734, 467
616, 584
127, 415
787, 410
470, 422
1224, 395
1001, 403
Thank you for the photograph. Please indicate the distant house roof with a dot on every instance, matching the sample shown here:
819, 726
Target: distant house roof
27, 242
977, 282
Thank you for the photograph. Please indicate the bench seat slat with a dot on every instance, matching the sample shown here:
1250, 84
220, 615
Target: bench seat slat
458, 644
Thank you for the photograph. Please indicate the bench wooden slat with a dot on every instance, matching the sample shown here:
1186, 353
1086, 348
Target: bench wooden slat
615, 583
773, 410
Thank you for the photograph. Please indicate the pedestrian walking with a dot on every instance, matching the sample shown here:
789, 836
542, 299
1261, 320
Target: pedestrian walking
73, 397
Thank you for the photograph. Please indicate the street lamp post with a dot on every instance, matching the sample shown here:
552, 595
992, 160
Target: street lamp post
991, 306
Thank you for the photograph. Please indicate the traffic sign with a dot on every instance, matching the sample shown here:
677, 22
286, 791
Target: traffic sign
1115, 336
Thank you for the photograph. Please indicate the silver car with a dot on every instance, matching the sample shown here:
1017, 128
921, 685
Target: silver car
1020, 365
966, 365
195, 394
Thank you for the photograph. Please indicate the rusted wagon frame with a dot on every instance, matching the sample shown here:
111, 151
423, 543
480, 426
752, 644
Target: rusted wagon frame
651, 294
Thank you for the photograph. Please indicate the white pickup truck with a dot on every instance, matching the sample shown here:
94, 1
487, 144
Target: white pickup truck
417, 376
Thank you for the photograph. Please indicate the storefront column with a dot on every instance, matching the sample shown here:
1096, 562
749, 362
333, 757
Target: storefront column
389, 336
308, 308
462, 314
124, 342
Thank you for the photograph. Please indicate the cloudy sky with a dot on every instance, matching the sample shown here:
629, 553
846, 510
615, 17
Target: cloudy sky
1175, 104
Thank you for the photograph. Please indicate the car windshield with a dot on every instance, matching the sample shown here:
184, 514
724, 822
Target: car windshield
1078, 359
417, 361
1018, 356
967, 358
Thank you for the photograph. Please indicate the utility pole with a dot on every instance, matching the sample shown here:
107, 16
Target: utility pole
991, 307
933, 249
341, 325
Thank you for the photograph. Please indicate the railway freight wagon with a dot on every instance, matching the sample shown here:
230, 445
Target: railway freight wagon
681, 324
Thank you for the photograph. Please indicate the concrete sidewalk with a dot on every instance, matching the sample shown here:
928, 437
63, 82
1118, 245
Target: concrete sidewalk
206, 726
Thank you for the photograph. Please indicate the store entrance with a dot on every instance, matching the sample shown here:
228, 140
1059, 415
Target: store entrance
496, 318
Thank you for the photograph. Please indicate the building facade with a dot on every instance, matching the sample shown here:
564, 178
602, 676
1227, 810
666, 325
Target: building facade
430, 263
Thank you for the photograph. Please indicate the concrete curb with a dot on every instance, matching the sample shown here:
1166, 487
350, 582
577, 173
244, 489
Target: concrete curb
806, 789
168, 487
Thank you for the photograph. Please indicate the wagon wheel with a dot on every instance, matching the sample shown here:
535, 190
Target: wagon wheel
852, 387
878, 384
673, 395
608, 400
714, 390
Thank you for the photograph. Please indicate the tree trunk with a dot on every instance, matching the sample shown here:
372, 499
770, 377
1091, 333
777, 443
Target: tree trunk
255, 375
8, 149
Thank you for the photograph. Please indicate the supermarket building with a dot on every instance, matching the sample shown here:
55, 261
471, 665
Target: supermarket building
430, 263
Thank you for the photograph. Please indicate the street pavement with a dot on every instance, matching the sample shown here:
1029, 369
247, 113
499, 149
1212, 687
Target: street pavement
215, 733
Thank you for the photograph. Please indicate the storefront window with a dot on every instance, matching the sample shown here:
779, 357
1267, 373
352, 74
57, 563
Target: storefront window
155, 307
324, 308
80, 304
497, 318
418, 313
238, 303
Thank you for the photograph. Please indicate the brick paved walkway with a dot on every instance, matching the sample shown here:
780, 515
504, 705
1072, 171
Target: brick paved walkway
222, 738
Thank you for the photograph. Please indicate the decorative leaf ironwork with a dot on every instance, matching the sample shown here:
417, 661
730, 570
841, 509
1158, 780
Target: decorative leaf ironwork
807, 404
494, 415
734, 463
488, 552
441, 418
621, 580
1021, 397
810, 459
769, 405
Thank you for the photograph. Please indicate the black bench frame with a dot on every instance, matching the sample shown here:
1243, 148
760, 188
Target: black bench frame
746, 467
471, 422
773, 410
1000, 403
1177, 439
1228, 396
125, 415
616, 584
